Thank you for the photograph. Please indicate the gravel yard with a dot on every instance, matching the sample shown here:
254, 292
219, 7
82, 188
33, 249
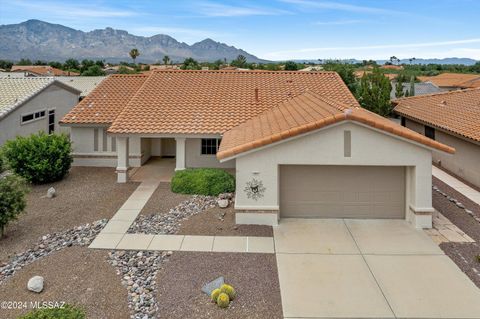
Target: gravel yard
86, 194
162, 200
211, 222
463, 254
75, 275
254, 277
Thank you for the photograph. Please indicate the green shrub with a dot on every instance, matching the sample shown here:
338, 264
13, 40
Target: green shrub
67, 312
39, 158
203, 181
12, 199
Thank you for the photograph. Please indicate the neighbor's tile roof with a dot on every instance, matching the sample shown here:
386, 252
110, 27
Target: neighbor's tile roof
454, 111
43, 70
459, 80
15, 91
305, 113
193, 102
106, 101
85, 84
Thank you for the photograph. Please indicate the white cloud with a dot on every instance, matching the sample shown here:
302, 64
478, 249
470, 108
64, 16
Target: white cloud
177, 32
331, 5
62, 9
338, 22
405, 50
220, 10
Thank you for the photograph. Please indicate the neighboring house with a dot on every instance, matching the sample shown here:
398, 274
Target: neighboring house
420, 88
300, 144
452, 118
41, 70
359, 74
453, 81
312, 68
391, 67
12, 75
30, 105
85, 84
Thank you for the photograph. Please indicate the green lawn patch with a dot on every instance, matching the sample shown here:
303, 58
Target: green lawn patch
203, 181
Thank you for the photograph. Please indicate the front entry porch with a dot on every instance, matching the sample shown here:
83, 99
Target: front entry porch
181, 152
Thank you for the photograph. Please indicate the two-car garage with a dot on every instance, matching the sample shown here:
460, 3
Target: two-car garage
327, 191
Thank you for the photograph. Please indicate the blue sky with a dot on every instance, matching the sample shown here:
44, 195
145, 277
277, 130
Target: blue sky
281, 29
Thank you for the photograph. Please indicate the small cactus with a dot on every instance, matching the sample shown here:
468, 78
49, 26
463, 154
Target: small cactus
229, 290
215, 294
223, 300
478, 258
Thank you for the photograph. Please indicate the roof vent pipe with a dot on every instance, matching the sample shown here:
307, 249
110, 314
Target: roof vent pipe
256, 94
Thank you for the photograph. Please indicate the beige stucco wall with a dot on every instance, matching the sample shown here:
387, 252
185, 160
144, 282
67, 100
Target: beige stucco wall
326, 147
194, 158
53, 97
84, 154
466, 160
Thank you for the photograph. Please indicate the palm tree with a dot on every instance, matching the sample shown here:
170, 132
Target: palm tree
392, 59
134, 53
166, 59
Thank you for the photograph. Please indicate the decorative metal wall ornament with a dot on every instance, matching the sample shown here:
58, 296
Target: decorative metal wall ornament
254, 189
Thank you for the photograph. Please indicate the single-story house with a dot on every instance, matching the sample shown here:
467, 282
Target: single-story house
300, 143
421, 88
452, 118
30, 105
85, 84
41, 70
453, 81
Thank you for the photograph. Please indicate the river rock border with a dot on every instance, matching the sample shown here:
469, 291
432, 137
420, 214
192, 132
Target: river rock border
169, 223
50, 243
457, 203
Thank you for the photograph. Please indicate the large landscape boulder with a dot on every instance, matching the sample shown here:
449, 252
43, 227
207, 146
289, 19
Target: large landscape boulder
35, 284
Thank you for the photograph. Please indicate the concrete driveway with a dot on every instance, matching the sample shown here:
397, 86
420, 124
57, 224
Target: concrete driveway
335, 268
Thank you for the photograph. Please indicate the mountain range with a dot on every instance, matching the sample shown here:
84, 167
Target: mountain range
39, 40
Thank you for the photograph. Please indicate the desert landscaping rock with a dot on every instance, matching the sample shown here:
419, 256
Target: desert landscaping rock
78, 236
35, 284
222, 203
169, 223
51, 192
138, 271
212, 285
85, 195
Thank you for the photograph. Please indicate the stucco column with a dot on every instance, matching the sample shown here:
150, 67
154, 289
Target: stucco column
180, 153
122, 159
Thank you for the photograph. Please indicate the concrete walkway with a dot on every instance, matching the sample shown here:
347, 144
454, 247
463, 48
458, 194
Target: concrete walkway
114, 234
334, 268
454, 183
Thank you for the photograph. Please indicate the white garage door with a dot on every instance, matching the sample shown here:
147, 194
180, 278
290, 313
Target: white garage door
312, 191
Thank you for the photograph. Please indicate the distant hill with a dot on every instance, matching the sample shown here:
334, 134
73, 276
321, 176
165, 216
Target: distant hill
464, 61
39, 40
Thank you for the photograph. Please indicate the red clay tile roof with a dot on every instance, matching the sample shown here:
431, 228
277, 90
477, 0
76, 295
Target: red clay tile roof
106, 101
305, 113
455, 111
44, 70
211, 102
459, 80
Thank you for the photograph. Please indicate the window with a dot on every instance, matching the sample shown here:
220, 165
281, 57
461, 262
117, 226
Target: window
210, 146
51, 121
32, 116
429, 132
403, 120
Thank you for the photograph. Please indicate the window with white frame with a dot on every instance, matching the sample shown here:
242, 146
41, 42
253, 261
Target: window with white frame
29, 117
210, 146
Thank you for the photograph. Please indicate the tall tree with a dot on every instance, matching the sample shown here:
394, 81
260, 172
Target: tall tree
346, 72
240, 61
291, 66
134, 53
399, 90
373, 93
412, 86
393, 59
166, 59
190, 64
